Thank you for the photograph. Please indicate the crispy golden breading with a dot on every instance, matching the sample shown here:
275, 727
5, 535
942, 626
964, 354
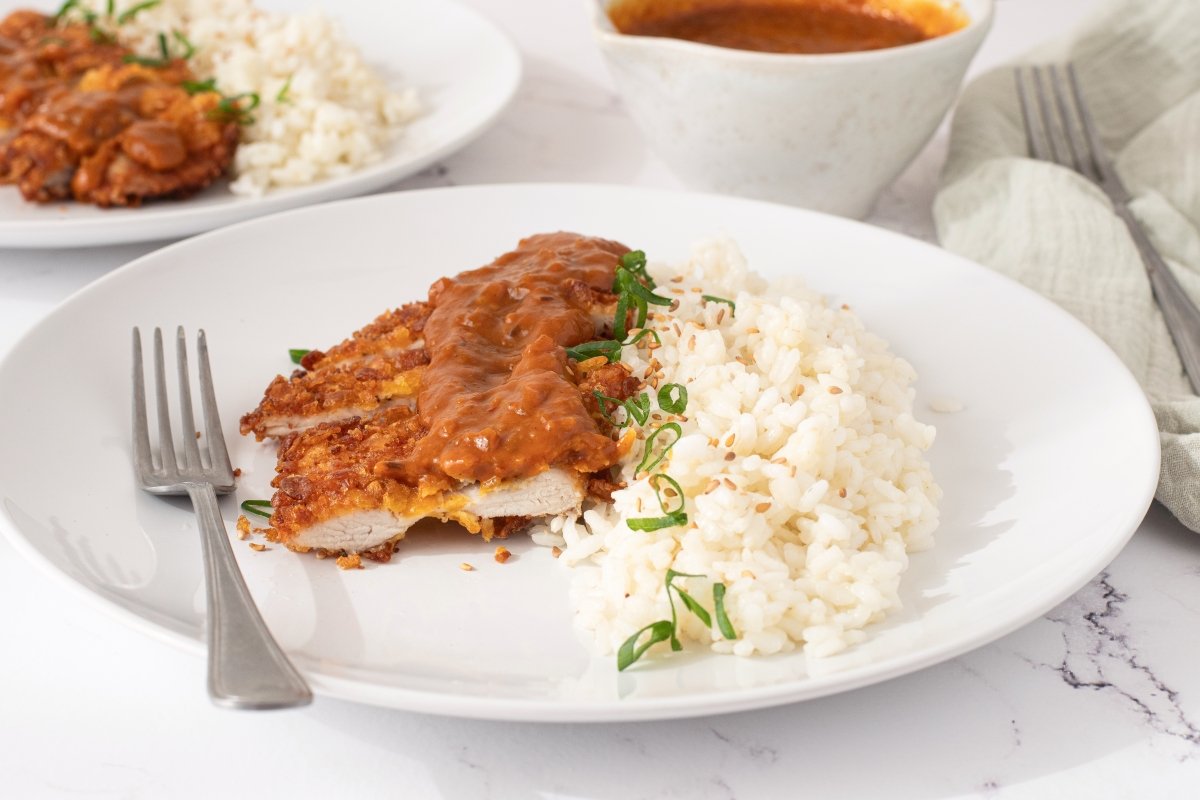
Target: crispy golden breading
379, 366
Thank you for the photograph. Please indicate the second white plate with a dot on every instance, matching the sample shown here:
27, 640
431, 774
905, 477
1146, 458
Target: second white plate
464, 69
1047, 470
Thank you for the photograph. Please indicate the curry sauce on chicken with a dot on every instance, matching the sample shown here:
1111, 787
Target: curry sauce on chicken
83, 118
465, 407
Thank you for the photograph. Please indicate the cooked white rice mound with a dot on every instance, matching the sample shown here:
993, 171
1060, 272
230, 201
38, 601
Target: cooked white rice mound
810, 522
337, 114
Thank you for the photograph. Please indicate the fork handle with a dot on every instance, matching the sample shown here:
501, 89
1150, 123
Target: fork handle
246, 667
1179, 312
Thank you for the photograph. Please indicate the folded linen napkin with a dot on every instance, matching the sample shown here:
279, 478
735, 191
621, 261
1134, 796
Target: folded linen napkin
1138, 64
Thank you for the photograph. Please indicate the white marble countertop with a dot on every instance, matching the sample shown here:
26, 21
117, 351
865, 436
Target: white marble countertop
1100, 698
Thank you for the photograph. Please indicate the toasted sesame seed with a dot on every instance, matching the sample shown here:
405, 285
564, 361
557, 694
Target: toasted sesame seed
676, 290
753, 330
713, 484
842, 492
730, 439
729, 483
720, 314
730, 456
465, 567
556, 551
835, 390
696, 289
676, 279
674, 305
257, 546
762, 507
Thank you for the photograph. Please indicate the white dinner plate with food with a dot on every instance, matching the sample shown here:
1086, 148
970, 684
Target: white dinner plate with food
347, 102
1046, 454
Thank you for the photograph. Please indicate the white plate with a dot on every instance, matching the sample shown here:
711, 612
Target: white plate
464, 69
1047, 470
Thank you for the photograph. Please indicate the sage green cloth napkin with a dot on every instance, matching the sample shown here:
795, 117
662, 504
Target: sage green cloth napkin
1138, 62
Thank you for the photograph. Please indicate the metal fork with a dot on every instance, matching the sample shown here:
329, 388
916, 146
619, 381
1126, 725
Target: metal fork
1059, 128
246, 668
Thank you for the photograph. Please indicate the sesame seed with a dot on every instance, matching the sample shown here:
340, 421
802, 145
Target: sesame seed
713, 484
674, 305
465, 567
676, 290
730, 456
257, 546
842, 492
676, 279
720, 314
556, 551
729, 483
835, 390
762, 507
730, 439
753, 330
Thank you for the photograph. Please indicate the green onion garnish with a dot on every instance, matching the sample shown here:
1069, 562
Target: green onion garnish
196, 87
676, 404
647, 463
163, 59
637, 409
630, 652
635, 262
133, 11
712, 298
658, 494
65, 8
282, 95
231, 107
189, 49
609, 348
297, 355
665, 630
256, 507
100, 36
109, 7
657, 523
723, 623
632, 294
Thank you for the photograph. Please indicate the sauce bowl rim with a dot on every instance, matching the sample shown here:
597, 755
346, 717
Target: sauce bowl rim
603, 28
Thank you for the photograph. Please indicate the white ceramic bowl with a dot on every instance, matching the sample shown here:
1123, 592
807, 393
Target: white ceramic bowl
827, 132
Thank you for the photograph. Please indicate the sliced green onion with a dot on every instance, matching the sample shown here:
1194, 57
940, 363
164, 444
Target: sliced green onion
282, 95
639, 408
654, 479
657, 523
646, 463
676, 405
723, 623
609, 348
601, 399
197, 87
189, 49
635, 262
100, 36
714, 299
148, 61
297, 355
109, 7
230, 107
629, 652
133, 11
642, 334
64, 9
256, 507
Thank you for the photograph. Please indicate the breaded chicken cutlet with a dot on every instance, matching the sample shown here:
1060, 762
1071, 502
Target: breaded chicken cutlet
465, 408
78, 121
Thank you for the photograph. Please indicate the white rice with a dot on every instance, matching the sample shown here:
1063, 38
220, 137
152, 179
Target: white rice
337, 115
819, 416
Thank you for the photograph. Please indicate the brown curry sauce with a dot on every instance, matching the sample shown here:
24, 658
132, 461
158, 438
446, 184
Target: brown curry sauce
498, 400
789, 26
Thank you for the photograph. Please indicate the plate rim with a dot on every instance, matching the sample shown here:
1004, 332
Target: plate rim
179, 220
634, 709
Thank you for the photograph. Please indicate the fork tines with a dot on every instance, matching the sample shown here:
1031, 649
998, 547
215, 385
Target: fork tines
163, 466
1058, 125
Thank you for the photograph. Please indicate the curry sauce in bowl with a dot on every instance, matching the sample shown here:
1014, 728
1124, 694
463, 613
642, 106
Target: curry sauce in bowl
790, 26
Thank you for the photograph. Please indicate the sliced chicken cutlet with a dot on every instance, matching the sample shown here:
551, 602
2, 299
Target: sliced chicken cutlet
379, 367
331, 496
505, 429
